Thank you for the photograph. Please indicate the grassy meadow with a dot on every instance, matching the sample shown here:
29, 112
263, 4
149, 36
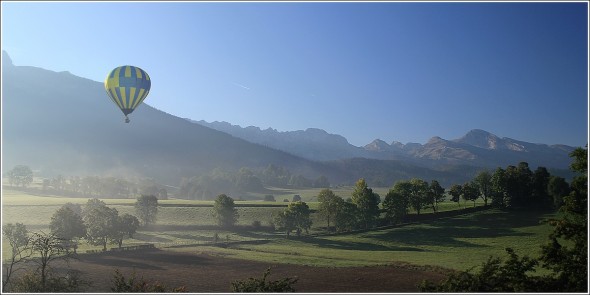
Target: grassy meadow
458, 242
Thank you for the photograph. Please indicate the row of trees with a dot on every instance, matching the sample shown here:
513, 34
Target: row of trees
217, 182
88, 186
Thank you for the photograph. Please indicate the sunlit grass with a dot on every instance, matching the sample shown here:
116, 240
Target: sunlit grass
459, 242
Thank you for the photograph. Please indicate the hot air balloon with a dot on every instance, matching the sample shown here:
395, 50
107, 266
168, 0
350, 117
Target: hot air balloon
127, 86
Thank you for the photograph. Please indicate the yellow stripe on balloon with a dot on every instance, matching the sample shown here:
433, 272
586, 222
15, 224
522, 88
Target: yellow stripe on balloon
124, 95
114, 98
131, 95
140, 97
127, 72
138, 73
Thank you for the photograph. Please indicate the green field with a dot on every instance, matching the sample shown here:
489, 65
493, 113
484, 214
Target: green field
458, 242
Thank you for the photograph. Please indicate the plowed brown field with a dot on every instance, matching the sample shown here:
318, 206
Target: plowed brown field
202, 273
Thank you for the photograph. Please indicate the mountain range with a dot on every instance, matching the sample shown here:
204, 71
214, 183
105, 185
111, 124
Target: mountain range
59, 123
477, 148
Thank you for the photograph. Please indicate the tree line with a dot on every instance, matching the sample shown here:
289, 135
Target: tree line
565, 254
88, 186
510, 187
218, 181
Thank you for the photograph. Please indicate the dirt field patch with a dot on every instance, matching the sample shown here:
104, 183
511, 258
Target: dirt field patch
202, 273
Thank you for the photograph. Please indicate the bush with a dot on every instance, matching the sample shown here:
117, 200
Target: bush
269, 198
31, 282
261, 285
495, 275
135, 285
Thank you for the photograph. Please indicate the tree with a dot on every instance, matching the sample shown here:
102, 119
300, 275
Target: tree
75, 207
48, 248
68, 226
418, 194
102, 225
264, 286
329, 204
367, 202
20, 175
347, 216
92, 204
269, 198
557, 188
455, 191
18, 239
395, 205
126, 226
296, 198
436, 194
499, 188
146, 208
483, 182
470, 192
224, 210
295, 217
566, 254
539, 183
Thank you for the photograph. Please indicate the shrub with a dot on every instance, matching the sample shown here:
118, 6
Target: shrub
139, 285
261, 285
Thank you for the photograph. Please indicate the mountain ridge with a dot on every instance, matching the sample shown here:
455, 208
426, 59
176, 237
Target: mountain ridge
477, 147
59, 123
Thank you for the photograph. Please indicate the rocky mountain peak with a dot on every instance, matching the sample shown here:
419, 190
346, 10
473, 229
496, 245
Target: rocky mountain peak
480, 138
377, 145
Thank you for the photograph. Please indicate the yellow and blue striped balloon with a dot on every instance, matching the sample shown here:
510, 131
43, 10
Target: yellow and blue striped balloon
127, 86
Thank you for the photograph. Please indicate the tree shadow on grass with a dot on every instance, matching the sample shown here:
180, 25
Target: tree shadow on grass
346, 245
447, 232
149, 259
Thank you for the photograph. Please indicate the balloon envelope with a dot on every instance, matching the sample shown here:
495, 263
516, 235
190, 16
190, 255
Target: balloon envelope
127, 86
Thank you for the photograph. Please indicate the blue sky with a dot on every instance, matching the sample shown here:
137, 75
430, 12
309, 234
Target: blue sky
394, 71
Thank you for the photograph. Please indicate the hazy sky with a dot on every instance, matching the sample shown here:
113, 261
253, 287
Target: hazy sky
394, 71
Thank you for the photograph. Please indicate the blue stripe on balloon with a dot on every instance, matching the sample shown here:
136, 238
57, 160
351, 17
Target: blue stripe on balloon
119, 96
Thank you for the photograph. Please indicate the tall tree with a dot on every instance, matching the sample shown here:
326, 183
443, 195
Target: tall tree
418, 194
470, 192
557, 188
68, 226
569, 259
539, 183
125, 227
436, 194
295, 217
367, 203
146, 208
101, 225
347, 217
329, 204
224, 211
483, 182
455, 191
396, 206
18, 239
499, 188
48, 248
